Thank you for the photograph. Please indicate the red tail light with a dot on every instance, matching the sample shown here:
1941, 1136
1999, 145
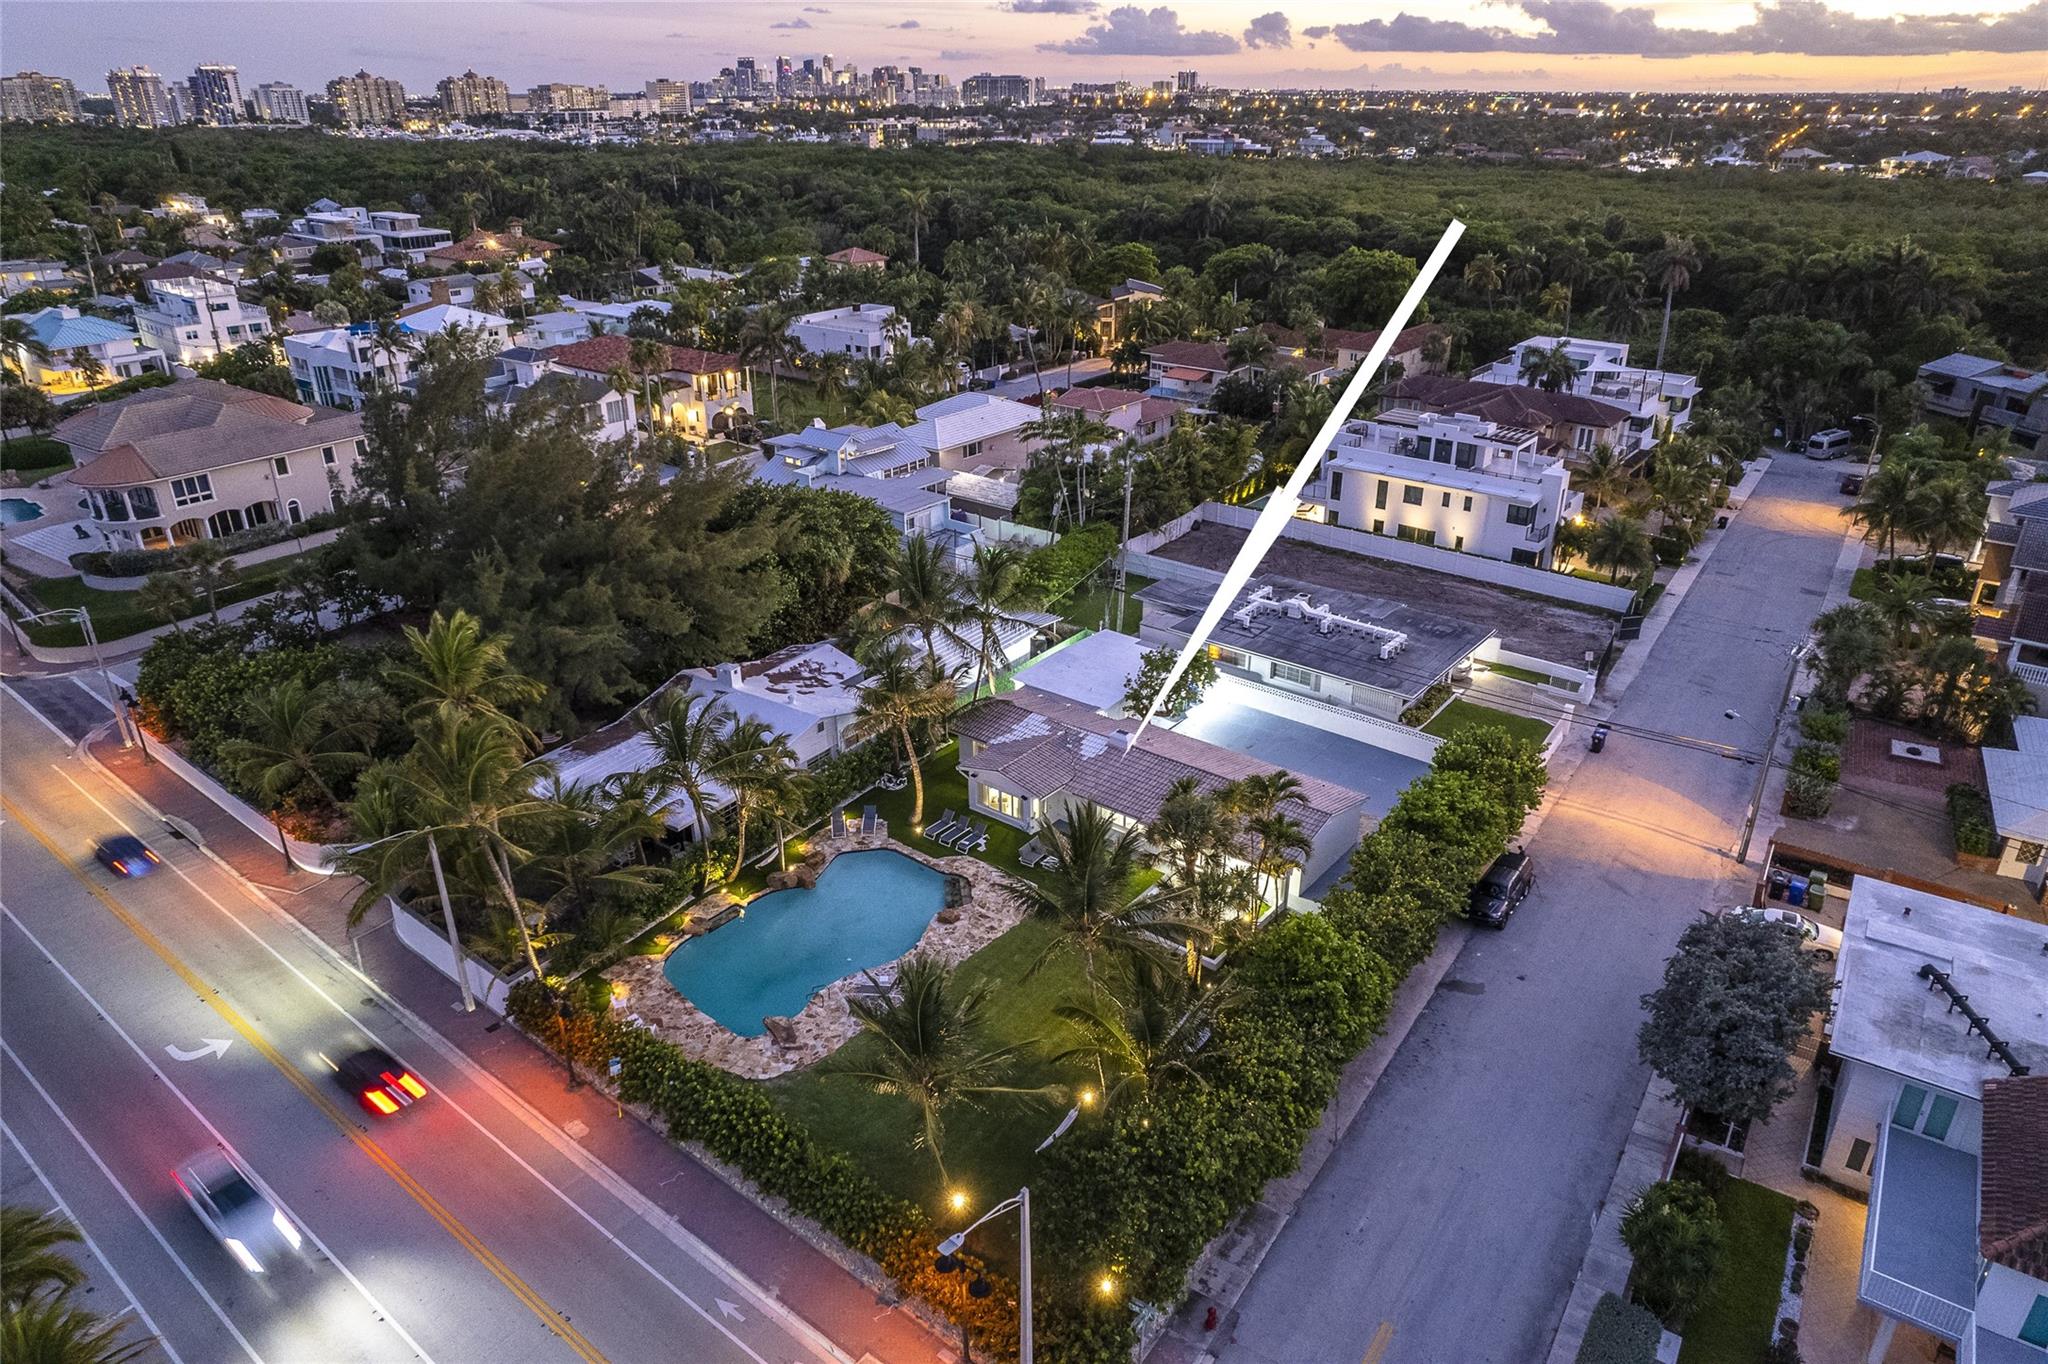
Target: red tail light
379, 1100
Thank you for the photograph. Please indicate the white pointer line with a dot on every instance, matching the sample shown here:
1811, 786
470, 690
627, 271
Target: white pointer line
1280, 506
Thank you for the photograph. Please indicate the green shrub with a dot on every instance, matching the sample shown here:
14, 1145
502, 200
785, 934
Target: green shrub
137, 384
1823, 725
1818, 760
1970, 820
1052, 571
1674, 1230
139, 563
1808, 796
1426, 704
34, 452
1620, 1333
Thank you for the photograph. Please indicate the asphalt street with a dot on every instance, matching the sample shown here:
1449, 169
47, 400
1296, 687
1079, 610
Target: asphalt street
142, 1021
1448, 1226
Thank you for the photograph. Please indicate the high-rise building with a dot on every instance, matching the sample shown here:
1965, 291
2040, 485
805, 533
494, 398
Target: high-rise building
671, 98
988, 89
746, 79
32, 97
468, 95
140, 97
557, 97
1187, 82
281, 102
785, 78
178, 96
216, 93
366, 99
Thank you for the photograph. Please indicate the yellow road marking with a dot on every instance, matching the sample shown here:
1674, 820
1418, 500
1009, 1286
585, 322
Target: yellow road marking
466, 1238
1376, 1350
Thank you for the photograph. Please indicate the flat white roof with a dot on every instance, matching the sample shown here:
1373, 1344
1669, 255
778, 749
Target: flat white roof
1887, 1014
1094, 669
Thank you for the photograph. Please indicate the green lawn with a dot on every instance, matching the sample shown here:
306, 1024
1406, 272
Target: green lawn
989, 1151
1735, 1321
1863, 584
944, 789
1083, 607
1463, 714
1519, 674
116, 615
797, 402
719, 451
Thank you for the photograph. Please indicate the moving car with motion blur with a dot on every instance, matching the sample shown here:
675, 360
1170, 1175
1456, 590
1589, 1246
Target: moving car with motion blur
126, 855
225, 1197
380, 1082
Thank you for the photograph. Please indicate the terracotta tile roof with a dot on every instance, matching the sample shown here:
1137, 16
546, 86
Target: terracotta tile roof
1153, 409
1190, 354
481, 245
602, 354
1411, 338
1098, 399
1512, 404
857, 255
191, 426
2012, 1216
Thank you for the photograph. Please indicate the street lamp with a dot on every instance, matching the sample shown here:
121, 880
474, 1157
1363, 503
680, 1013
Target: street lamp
82, 618
978, 1287
447, 910
128, 700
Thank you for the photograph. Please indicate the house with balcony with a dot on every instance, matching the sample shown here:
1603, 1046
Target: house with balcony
386, 236
1654, 399
68, 337
1347, 649
19, 276
2016, 779
1137, 417
197, 460
1569, 425
1186, 371
1939, 1113
1983, 393
195, 315
1457, 481
494, 250
461, 290
522, 374
2011, 616
860, 331
696, 393
338, 366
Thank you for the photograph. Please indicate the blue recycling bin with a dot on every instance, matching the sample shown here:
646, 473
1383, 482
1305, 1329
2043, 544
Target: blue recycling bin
1795, 892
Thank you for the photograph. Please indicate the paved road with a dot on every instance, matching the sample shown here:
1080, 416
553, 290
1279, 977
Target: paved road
1447, 1228
463, 1230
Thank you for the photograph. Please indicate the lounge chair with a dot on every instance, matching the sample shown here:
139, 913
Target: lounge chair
974, 840
870, 822
1032, 853
939, 828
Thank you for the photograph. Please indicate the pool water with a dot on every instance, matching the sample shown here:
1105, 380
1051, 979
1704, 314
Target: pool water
867, 909
16, 510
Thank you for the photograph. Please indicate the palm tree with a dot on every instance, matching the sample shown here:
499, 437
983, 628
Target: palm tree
1159, 1039
917, 210
1064, 437
1485, 275
1948, 513
1523, 272
393, 340
899, 700
583, 828
1549, 368
457, 669
764, 341
746, 759
209, 572
51, 1331
1674, 264
1620, 542
1852, 640
1275, 836
292, 739
166, 597
619, 380
1675, 1234
29, 1259
928, 1046
1251, 348
1605, 477
1905, 602
991, 595
18, 345
1088, 893
1555, 303
924, 595
684, 730
1888, 503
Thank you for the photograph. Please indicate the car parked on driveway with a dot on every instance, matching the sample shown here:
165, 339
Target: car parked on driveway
1816, 937
1506, 884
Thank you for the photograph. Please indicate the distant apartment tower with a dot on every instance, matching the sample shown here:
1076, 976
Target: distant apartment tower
32, 97
140, 98
216, 93
670, 97
468, 95
364, 99
561, 96
746, 79
282, 102
1187, 82
990, 89
785, 78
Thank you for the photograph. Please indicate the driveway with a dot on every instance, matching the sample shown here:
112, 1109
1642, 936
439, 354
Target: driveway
1450, 1223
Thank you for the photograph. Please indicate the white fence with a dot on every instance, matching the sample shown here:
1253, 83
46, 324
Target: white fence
431, 946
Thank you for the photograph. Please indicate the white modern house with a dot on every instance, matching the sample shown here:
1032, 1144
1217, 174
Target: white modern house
19, 276
1457, 481
68, 337
862, 331
386, 234
337, 366
1652, 398
194, 315
461, 289
1939, 1111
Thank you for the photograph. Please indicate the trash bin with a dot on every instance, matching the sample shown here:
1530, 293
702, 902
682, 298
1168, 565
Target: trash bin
1780, 879
1721, 522
1817, 891
1795, 892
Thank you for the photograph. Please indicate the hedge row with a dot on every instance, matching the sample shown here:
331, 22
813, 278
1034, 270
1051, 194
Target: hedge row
137, 563
1971, 821
1052, 571
1620, 1333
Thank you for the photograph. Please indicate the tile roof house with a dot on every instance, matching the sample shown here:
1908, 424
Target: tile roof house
197, 459
1654, 399
859, 257
2012, 1218
493, 249
1139, 416
67, 337
1347, 349
1570, 424
1030, 754
703, 393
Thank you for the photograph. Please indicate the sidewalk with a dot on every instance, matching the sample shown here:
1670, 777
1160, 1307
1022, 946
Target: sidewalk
752, 1240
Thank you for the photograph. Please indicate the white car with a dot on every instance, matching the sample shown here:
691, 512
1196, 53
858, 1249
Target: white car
1815, 936
240, 1215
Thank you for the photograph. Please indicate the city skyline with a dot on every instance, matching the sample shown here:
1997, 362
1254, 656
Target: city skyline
1528, 44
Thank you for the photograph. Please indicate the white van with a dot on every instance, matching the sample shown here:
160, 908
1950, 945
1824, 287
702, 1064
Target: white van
1830, 444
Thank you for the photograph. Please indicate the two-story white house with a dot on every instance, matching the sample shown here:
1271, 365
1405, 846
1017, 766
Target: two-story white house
1653, 398
67, 337
194, 315
862, 331
522, 374
19, 276
385, 235
1457, 481
461, 290
1942, 1039
696, 393
338, 366
1138, 417
197, 460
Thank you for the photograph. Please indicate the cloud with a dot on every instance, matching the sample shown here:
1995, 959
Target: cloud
961, 54
910, 23
1053, 6
791, 23
816, 9
1319, 31
1131, 31
1808, 27
1269, 30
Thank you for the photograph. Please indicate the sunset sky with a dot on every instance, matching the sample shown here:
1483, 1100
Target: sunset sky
1499, 44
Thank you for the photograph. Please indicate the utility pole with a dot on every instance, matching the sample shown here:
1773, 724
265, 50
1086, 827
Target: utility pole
1756, 797
1123, 546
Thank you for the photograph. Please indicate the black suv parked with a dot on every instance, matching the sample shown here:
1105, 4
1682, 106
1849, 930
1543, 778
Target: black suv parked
1494, 899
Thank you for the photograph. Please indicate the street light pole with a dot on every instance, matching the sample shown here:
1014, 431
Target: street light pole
82, 618
1756, 797
950, 1247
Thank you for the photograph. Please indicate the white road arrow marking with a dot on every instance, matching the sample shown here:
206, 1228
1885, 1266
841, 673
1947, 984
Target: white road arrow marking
208, 1046
729, 1309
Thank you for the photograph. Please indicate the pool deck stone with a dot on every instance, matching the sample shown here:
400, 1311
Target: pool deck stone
825, 1024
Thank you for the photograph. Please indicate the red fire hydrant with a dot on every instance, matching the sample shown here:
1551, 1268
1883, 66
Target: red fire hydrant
1209, 1318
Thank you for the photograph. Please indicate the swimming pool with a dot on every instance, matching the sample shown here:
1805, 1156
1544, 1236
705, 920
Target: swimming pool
14, 511
868, 908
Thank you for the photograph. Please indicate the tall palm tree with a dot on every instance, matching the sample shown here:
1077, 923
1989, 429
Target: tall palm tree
209, 571
1948, 513
1161, 1038
458, 669
1485, 275
1523, 274
1275, 836
684, 729
992, 594
1088, 896
18, 345
393, 340
746, 759
1674, 265
924, 595
1549, 368
928, 1045
1619, 542
764, 341
1064, 437
29, 1259
900, 700
1905, 602
1251, 348
581, 833
292, 739
1555, 303
1889, 503
1605, 477
917, 211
